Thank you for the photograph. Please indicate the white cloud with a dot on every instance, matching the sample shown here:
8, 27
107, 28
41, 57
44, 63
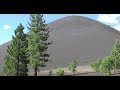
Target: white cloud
108, 18
117, 27
6, 26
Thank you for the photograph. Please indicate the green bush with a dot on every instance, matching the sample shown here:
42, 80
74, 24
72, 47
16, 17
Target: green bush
59, 72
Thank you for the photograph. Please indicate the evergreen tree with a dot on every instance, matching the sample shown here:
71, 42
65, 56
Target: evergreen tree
16, 58
96, 65
37, 41
115, 54
72, 65
106, 65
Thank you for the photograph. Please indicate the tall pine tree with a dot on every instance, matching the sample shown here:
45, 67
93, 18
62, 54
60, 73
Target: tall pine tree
16, 58
37, 41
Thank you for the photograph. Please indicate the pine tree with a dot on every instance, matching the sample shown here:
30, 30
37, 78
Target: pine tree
16, 58
115, 54
72, 65
37, 41
95, 66
106, 65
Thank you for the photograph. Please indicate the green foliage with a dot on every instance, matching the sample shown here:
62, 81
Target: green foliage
109, 63
95, 66
115, 54
37, 41
72, 65
106, 65
59, 72
42, 63
16, 58
9, 66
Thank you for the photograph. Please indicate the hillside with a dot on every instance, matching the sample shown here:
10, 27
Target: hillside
75, 36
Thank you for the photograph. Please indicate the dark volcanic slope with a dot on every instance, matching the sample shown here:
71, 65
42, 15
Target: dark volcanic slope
2, 55
76, 36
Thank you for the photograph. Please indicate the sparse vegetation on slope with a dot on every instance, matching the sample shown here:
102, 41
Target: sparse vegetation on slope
109, 63
72, 36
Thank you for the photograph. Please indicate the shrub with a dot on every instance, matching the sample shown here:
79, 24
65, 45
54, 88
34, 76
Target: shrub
59, 72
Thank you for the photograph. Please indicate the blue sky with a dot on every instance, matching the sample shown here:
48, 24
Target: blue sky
9, 22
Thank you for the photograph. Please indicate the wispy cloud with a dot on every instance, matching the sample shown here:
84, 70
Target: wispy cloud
108, 18
6, 26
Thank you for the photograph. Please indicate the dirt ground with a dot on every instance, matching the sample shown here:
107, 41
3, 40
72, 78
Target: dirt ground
80, 71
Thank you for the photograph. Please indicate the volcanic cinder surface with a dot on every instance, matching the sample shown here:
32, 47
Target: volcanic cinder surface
75, 36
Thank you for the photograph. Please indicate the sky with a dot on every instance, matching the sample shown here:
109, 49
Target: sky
9, 22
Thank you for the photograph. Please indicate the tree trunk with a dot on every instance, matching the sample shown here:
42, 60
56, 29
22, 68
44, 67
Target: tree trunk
17, 73
35, 71
109, 71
